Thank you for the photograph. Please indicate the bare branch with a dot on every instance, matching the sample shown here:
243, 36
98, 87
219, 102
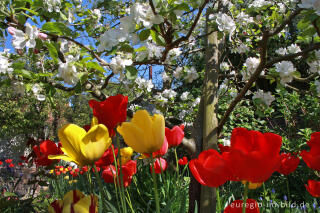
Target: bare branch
106, 82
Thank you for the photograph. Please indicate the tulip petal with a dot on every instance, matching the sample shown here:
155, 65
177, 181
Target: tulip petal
87, 204
134, 137
72, 197
70, 136
158, 129
63, 157
95, 142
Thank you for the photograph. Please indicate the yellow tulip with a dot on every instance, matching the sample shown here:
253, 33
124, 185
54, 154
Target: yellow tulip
81, 147
252, 185
126, 154
75, 201
145, 133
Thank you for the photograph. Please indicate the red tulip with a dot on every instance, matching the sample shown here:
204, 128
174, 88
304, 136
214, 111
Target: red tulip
8, 161
1, 163
129, 169
45, 149
109, 174
210, 168
236, 207
313, 188
160, 165
253, 156
289, 163
11, 165
107, 157
183, 161
111, 111
175, 135
223, 148
312, 157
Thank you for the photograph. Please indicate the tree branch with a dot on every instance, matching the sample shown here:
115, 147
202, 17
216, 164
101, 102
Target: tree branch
253, 78
284, 24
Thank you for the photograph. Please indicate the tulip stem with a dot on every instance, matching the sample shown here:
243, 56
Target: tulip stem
288, 190
245, 196
218, 199
177, 161
116, 183
124, 205
102, 195
155, 187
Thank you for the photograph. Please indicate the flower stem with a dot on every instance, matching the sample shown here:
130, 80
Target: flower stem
102, 195
288, 190
124, 205
245, 196
155, 187
218, 199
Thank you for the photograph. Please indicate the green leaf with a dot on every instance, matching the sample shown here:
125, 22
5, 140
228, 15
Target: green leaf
144, 35
52, 51
156, 38
30, 11
94, 65
57, 28
126, 48
24, 73
131, 72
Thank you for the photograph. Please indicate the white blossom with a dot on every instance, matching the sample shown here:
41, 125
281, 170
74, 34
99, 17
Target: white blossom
196, 102
226, 142
169, 93
242, 48
36, 89
251, 64
21, 39
191, 74
162, 100
314, 66
143, 13
286, 71
165, 77
225, 23
281, 51
68, 72
127, 24
152, 51
184, 96
265, 97
244, 19
5, 65
293, 48
53, 5
224, 66
178, 72
259, 3
111, 38
97, 14
118, 64
144, 84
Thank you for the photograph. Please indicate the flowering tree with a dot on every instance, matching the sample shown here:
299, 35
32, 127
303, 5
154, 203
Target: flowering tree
180, 56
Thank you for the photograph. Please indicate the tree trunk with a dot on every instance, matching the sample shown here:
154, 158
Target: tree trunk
206, 124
